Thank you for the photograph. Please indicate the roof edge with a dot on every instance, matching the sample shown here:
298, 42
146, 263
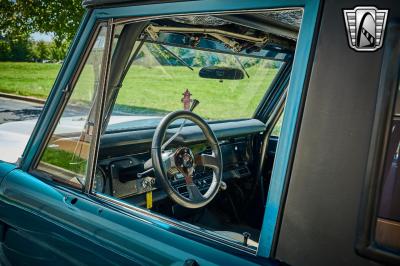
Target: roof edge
107, 3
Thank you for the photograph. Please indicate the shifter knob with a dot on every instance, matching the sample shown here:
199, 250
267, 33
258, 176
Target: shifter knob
195, 102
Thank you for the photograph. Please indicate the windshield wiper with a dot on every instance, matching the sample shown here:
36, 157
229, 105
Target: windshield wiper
154, 37
242, 66
177, 57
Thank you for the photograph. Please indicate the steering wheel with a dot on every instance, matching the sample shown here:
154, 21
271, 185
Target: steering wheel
185, 162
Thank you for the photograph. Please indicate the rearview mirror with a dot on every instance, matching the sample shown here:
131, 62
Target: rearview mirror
215, 72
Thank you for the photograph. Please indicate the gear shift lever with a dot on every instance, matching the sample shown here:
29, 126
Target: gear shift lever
195, 102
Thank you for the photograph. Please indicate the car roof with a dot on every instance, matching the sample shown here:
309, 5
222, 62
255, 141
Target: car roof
98, 3
288, 19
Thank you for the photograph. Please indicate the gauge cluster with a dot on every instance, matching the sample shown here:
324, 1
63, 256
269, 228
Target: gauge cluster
125, 176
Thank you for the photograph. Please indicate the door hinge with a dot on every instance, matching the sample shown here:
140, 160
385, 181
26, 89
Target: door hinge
67, 89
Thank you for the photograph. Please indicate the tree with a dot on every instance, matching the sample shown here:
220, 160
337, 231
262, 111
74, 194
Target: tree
21, 50
15, 50
42, 50
5, 50
58, 52
21, 18
11, 23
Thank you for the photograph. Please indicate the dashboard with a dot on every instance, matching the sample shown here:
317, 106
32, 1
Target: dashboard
121, 169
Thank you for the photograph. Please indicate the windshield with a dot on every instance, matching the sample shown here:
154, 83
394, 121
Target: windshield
162, 78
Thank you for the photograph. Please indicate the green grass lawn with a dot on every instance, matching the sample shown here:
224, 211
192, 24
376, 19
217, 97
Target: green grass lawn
161, 88
156, 89
28, 79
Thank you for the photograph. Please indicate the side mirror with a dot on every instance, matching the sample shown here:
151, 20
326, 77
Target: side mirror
221, 73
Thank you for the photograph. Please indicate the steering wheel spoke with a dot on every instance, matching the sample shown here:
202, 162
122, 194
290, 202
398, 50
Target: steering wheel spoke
194, 192
207, 160
168, 160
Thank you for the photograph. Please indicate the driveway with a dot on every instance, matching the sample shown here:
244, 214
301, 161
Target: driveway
18, 119
17, 110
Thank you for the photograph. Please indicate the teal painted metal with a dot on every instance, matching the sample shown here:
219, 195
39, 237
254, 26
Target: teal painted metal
286, 139
292, 107
5, 168
55, 230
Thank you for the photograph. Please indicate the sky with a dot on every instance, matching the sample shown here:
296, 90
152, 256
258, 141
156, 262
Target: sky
41, 37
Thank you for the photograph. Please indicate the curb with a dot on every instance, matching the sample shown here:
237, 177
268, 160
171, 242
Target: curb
22, 98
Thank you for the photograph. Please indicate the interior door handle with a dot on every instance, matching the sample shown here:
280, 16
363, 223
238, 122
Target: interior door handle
71, 201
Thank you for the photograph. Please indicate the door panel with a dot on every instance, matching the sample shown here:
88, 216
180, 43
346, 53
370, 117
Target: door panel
34, 230
45, 225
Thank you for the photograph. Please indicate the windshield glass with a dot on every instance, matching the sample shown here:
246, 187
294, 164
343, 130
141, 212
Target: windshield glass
162, 78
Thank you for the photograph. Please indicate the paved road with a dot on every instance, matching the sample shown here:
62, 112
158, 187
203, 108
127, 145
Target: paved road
16, 110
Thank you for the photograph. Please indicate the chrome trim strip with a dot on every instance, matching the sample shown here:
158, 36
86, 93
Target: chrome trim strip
99, 110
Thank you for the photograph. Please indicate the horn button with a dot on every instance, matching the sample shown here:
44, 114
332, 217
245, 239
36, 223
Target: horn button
184, 161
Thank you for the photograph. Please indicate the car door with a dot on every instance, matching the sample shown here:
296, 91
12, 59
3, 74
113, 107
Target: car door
46, 219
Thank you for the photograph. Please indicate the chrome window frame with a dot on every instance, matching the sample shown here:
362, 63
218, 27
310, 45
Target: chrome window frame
67, 92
